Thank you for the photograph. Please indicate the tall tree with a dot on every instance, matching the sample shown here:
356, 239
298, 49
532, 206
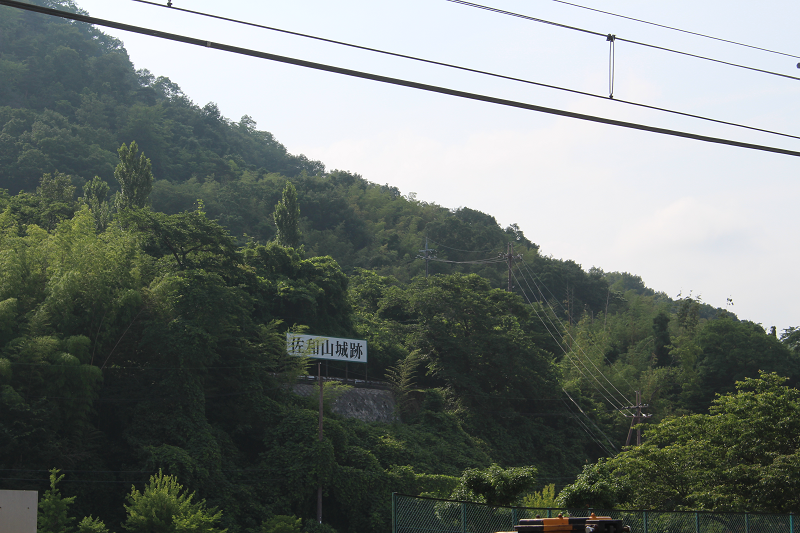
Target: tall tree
135, 177
287, 217
95, 195
55, 193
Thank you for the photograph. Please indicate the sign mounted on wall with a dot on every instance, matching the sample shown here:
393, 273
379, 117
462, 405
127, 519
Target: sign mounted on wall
330, 348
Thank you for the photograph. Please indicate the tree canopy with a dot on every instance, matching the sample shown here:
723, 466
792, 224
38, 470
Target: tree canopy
743, 455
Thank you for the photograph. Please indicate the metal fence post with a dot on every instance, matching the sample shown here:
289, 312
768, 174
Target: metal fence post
463, 517
394, 512
697, 522
644, 521
791, 522
513, 517
746, 523
549, 513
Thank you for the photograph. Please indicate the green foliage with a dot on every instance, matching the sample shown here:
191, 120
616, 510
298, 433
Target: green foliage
91, 525
331, 391
402, 377
95, 195
740, 457
544, 498
495, 486
596, 486
53, 508
282, 524
312, 526
134, 176
287, 218
165, 506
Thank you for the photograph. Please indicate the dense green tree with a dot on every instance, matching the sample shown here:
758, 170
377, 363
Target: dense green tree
165, 507
95, 195
733, 351
743, 456
53, 514
134, 176
287, 218
495, 486
661, 339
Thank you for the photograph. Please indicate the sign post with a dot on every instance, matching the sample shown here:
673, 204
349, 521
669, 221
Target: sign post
329, 348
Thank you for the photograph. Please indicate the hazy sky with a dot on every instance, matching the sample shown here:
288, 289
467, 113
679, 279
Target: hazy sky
684, 215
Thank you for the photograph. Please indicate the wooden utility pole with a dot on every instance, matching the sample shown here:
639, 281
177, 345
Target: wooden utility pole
427, 255
509, 256
319, 489
635, 419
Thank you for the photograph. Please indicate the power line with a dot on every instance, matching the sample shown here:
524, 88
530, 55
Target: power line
677, 29
533, 275
390, 80
569, 334
587, 417
526, 17
605, 35
469, 251
475, 262
467, 69
612, 400
619, 405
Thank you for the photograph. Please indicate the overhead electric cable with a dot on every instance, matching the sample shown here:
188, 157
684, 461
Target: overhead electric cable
613, 400
605, 35
469, 251
569, 334
580, 348
588, 431
389, 80
476, 262
587, 416
468, 69
677, 29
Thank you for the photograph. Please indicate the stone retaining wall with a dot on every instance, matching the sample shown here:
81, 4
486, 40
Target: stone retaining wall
367, 405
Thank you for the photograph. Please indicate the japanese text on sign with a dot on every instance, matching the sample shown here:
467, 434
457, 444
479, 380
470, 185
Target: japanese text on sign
351, 350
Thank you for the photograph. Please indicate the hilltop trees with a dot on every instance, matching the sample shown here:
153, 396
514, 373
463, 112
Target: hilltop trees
742, 456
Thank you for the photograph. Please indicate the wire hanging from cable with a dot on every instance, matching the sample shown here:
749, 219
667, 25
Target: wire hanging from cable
611, 61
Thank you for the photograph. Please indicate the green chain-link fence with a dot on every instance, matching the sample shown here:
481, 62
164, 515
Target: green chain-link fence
429, 515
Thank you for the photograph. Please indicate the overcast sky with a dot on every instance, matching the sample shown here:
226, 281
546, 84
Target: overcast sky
684, 215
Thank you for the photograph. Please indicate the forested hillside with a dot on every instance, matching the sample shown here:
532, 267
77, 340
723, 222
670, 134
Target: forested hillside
147, 281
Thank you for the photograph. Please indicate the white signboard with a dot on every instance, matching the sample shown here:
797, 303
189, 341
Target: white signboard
350, 350
18, 511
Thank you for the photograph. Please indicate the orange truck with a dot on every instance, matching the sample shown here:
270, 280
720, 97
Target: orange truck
584, 524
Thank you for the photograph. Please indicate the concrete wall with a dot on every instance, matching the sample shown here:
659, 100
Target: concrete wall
368, 405
18, 511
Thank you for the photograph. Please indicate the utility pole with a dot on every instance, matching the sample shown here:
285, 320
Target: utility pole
509, 256
428, 255
635, 419
319, 488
